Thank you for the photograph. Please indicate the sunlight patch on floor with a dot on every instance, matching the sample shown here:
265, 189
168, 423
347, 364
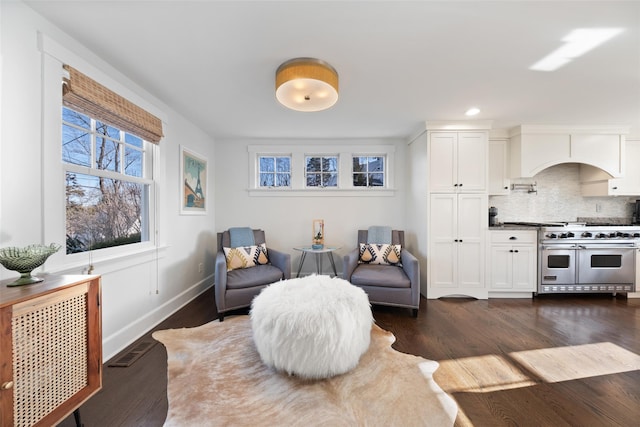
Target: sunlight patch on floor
579, 361
489, 373
480, 374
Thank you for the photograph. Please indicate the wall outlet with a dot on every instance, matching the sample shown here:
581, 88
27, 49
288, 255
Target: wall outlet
200, 268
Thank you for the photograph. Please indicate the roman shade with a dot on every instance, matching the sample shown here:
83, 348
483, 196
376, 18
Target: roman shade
84, 94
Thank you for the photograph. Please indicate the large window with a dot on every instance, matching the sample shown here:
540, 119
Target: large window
108, 182
321, 171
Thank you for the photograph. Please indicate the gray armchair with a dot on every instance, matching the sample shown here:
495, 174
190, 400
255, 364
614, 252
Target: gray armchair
236, 288
386, 284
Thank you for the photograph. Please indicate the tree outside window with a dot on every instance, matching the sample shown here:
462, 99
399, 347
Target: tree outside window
321, 171
107, 195
274, 171
368, 171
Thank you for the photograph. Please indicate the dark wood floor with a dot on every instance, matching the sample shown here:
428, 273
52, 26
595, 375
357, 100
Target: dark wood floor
483, 348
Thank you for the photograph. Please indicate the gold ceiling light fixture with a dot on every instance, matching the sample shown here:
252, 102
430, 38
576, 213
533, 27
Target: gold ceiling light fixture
306, 84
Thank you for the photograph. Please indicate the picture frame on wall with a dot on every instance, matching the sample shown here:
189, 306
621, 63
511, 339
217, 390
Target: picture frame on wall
193, 183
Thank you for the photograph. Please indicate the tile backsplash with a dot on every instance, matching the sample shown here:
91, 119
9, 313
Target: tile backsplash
558, 198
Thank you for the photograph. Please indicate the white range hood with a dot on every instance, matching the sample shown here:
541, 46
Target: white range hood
537, 147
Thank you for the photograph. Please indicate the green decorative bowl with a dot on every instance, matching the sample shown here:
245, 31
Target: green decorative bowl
24, 260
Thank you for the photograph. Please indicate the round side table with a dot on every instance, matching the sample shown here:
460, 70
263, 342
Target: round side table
318, 255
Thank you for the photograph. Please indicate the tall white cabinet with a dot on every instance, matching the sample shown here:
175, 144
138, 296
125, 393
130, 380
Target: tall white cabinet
458, 212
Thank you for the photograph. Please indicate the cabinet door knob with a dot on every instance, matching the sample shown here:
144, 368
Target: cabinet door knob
513, 238
516, 251
506, 188
510, 250
459, 185
455, 185
615, 188
7, 385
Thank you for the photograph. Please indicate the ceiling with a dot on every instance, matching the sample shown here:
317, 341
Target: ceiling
400, 63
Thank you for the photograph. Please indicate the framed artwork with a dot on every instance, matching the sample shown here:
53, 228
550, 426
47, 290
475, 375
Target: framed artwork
193, 183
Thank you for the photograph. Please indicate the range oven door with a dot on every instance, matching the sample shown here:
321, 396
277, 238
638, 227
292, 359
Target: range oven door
558, 265
606, 264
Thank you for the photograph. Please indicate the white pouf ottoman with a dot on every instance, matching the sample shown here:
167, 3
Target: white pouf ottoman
313, 327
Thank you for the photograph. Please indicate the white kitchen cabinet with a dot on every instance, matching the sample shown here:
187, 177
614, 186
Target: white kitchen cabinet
596, 182
457, 161
498, 172
457, 227
534, 148
512, 265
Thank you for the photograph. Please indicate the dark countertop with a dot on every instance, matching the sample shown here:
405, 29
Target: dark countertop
514, 227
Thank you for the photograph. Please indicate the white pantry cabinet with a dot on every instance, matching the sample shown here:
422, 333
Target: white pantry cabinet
512, 265
457, 179
457, 228
457, 161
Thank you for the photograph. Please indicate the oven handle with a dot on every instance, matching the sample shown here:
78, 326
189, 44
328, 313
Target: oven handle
631, 246
557, 247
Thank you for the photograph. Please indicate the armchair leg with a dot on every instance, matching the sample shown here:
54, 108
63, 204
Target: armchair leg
221, 317
414, 312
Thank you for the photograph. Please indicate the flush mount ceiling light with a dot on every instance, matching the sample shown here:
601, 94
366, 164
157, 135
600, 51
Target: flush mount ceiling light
472, 111
306, 84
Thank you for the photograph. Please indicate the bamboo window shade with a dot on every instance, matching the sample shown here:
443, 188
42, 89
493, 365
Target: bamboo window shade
84, 94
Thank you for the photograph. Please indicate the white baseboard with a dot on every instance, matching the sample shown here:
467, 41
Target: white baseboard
494, 294
118, 341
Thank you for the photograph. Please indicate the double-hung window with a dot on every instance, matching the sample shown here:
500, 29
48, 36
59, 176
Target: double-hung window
108, 184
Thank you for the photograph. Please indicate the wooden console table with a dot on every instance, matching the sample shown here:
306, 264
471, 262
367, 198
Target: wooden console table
50, 348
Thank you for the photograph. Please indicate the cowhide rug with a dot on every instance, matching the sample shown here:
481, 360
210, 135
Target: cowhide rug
216, 378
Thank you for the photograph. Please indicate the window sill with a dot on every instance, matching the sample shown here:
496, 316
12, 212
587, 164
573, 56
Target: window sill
109, 263
321, 192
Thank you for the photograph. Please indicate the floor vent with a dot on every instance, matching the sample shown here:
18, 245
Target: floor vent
132, 355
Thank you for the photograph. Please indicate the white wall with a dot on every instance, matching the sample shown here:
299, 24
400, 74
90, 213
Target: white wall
286, 219
417, 204
140, 290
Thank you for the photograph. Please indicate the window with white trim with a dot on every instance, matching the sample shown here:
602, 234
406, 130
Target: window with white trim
321, 171
317, 167
274, 171
368, 171
107, 184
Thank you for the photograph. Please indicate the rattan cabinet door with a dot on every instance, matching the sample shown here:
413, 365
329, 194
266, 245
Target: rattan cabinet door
55, 353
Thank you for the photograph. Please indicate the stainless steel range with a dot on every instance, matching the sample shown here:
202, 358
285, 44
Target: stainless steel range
579, 258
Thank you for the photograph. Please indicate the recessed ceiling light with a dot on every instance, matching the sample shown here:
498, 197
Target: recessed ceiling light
577, 43
472, 111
